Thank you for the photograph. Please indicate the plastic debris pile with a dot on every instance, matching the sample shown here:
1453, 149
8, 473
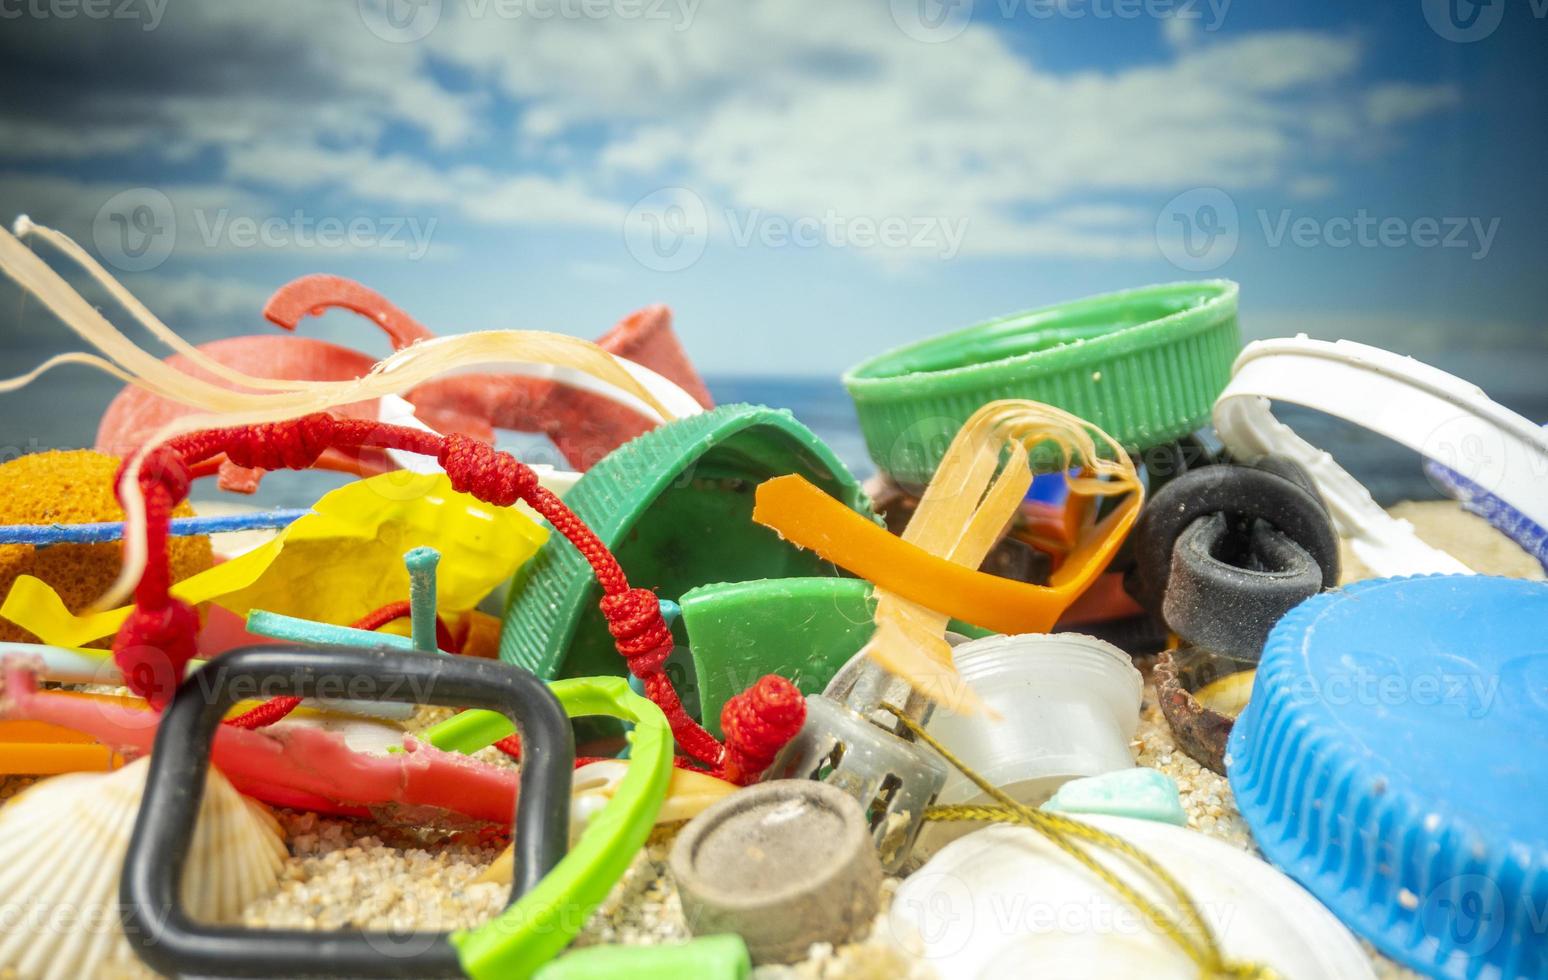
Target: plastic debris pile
842, 716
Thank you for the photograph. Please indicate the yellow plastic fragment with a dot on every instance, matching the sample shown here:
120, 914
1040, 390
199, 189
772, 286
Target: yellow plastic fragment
333, 565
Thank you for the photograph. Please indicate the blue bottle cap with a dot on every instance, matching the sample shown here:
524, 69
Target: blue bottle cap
1394, 760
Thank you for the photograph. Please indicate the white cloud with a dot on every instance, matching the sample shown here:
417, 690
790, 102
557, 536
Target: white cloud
1392, 104
198, 296
1311, 186
1180, 32
800, 107
477, 194
834, 109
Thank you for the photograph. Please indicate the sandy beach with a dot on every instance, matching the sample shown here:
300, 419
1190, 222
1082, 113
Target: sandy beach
349, 874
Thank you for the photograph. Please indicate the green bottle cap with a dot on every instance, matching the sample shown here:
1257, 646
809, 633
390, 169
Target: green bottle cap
675, 506
722, 957
1144, 365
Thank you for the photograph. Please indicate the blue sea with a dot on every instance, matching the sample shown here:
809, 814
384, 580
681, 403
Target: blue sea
61, 411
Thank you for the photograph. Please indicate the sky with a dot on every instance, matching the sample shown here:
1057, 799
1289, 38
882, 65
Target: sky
804, 182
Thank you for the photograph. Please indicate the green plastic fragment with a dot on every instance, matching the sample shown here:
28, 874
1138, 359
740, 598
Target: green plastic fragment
1143, 793
707, 958
528, 934
675, 506
803, 629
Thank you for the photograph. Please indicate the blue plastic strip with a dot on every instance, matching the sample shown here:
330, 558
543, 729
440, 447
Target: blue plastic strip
1530, 535
47, 534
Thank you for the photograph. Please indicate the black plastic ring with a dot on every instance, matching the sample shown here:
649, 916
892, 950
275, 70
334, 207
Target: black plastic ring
1243, 492
169, 941
1229, 586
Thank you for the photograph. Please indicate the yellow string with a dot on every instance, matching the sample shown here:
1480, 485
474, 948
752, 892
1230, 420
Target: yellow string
1192, 934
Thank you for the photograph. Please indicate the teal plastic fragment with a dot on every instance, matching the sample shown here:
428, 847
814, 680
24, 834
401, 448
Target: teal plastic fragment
721, 957
1142, 793
421, 563
261, 622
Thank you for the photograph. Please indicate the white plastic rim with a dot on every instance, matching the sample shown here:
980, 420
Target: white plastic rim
1436, 414
1068, 706
394, 410
1003, 899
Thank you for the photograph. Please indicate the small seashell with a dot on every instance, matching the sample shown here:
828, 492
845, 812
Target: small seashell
62, 845
593, 786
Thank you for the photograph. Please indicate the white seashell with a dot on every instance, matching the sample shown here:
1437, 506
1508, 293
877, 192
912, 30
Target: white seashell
999, 899
62, 845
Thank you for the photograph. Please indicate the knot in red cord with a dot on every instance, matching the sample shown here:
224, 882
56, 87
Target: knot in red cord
641, 635
162, 467
291, 445
485, 472
153, 647
758, 722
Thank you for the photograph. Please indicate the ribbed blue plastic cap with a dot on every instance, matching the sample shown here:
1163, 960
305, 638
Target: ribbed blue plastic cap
1394, 760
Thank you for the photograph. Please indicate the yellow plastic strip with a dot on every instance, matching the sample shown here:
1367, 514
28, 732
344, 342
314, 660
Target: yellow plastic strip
930, 573
807, 517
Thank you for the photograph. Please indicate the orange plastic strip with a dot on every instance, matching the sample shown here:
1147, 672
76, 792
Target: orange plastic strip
809, 518
36, 748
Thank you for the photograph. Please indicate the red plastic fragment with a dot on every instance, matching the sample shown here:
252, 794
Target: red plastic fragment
312, 295
582, 425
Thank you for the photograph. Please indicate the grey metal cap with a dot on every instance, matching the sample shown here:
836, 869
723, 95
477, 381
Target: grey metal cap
784, 864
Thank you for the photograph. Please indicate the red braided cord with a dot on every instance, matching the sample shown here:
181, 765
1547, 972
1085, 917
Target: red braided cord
377, 618
758, 722
265, 714
155, 644
393, 611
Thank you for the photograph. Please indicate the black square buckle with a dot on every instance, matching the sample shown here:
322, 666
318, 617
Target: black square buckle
170, 941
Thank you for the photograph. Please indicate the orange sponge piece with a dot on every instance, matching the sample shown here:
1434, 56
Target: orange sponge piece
72, 487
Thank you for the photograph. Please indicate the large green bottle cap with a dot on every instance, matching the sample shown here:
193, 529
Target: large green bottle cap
675, 506
1144, 365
